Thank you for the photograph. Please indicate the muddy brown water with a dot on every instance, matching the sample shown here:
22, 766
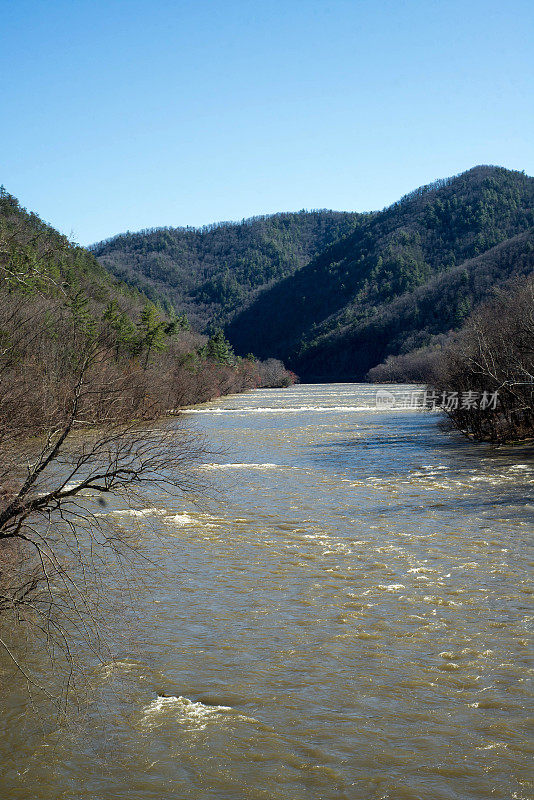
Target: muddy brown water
349, 619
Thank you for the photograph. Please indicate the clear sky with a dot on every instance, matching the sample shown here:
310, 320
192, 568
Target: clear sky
121, 115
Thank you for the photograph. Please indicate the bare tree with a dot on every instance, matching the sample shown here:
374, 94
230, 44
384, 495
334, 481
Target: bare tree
493, 357
55, 546
273, 373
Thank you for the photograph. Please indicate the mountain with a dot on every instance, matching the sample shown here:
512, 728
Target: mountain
334, 294
420, 317
402, 276
213, 272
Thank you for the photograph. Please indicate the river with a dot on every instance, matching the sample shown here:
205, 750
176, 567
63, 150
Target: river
346, 618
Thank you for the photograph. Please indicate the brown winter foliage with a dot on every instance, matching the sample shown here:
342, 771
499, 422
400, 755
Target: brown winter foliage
493, 357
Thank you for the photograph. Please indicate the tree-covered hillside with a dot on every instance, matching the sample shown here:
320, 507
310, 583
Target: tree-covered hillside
404, 274
35, 255
418, 318
213, 272
63, 316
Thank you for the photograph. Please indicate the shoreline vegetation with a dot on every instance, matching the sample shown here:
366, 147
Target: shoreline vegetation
482, 375
87, 365
493, 356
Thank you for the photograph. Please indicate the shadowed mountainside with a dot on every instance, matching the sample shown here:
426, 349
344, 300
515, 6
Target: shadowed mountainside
334, 294
405, 274
421, 317
213, 272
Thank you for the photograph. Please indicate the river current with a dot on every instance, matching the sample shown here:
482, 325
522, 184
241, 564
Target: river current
347, 617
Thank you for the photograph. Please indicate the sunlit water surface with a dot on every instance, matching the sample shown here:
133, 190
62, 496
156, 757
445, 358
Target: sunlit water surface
348, 620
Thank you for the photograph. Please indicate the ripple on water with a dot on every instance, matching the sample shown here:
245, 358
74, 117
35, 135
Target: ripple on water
361, 590
183, 711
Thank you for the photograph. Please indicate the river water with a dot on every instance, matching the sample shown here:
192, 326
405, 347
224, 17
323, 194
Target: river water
348, 618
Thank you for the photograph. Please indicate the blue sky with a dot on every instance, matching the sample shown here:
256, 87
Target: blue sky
123, 115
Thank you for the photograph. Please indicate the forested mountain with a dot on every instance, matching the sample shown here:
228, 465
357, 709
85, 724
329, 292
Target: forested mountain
417, 318
212, 272
405, 274
332, 293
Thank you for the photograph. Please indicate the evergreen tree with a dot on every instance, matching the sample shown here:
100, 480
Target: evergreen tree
219, 349
152, 331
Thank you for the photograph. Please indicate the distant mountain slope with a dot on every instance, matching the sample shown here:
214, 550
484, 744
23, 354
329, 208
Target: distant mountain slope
44, 260
336, 317
213, 272
413, 319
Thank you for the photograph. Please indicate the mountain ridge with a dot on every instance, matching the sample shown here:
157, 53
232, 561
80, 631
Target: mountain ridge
430, 231
212, 271
310, 287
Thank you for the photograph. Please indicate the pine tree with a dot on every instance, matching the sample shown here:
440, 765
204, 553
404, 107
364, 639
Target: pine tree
152, 332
